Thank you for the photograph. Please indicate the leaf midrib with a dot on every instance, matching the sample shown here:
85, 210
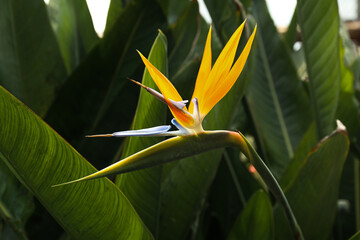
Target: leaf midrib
275, 98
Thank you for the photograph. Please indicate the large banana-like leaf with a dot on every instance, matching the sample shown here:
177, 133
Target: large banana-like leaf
277, 99
74, 30
40, 158
256, 220
320, 36
142, 187
31, 66
314, 190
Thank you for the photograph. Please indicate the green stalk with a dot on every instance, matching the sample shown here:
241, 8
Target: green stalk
271, 182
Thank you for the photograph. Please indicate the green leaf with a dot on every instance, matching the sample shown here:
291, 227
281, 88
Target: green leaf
186, 33
99, 87
183, 192
356, 236
142, 187
320, 37
232, 187
256, 220
313, 192
280, 123
307, 143
291, 34
31, 66
74, 30
173, 9
225, 17
348, 108
115, 9
40, 158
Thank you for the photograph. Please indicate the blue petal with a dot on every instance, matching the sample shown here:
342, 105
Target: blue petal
143, 132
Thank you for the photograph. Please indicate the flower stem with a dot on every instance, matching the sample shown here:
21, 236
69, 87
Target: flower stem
271, 182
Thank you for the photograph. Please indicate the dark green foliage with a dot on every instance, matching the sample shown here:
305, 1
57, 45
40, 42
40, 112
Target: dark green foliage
285, 102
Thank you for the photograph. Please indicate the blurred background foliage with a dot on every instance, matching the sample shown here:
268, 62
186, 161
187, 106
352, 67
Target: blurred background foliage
286, 101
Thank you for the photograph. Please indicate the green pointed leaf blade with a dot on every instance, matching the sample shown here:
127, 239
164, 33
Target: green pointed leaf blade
225, 17
72, 24
40, 158
142, 188
173, 9
186, 34
313, 192
280, 123
356, 236
320, 37
291, 34
256, 220
31, 66
115, 8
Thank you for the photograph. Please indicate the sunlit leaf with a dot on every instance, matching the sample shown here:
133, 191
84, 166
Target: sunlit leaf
320, 37
40, 158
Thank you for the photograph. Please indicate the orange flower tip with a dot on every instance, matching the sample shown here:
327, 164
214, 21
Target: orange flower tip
142, 56
99, 135
138, 83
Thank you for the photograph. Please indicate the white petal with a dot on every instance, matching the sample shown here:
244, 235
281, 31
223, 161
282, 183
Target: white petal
154, 131
143, 132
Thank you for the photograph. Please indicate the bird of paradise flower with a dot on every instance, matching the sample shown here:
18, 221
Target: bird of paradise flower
212, 84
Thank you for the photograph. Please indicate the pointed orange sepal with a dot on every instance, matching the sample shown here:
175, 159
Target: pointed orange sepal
164, 85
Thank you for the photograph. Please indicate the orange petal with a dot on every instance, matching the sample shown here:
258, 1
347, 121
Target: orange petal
221, 67
224, 87
204, 72
183, 117
164, 85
